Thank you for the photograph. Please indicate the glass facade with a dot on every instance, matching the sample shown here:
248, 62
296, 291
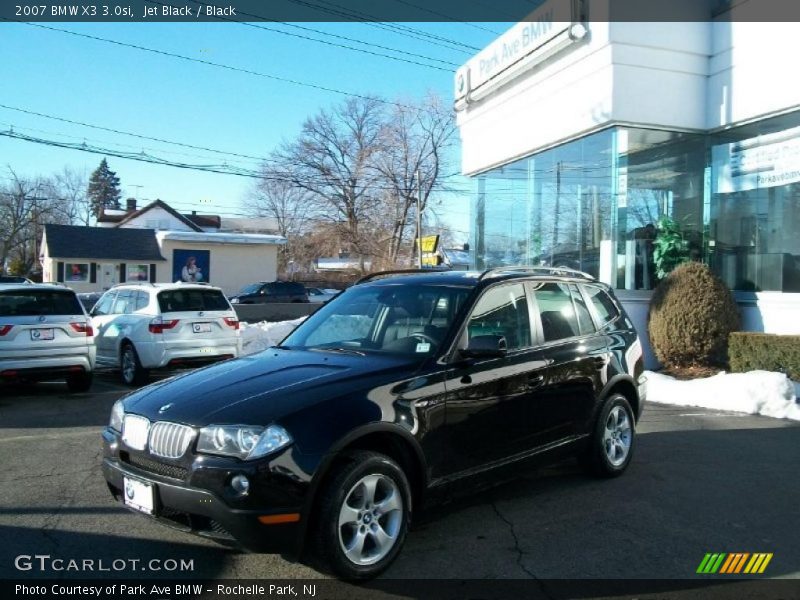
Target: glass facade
594, 203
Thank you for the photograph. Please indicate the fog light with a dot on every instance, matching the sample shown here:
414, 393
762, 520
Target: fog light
240, 484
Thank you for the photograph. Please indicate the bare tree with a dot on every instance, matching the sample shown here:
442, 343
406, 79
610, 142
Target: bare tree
411, 162
69, 188
332, 159
24, 208
290, 206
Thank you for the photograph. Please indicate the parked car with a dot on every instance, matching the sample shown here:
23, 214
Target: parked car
271, 291
144, 326
89, 299
44, 335
321, 295
401, 389
14, 279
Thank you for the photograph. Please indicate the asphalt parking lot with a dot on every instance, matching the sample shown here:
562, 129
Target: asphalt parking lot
700, 481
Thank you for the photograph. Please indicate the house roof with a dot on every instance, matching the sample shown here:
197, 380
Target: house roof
163, 205
204, 220
75, 241
114, 217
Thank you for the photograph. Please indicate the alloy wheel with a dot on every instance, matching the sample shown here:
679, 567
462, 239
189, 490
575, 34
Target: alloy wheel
617, 436
370, 519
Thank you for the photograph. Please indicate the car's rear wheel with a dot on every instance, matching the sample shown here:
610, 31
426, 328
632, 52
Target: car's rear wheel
611, 447
80, 382
364, 516
131, 368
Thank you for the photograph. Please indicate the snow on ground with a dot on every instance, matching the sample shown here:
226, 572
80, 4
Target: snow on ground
260, 336
755, 392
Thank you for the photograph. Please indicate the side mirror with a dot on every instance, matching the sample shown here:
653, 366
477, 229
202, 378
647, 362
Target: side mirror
485, 346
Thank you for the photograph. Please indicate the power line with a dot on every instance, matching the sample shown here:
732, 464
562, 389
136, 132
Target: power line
344, 12
448, 17
214, 64
129, 133
223, 169
337, 45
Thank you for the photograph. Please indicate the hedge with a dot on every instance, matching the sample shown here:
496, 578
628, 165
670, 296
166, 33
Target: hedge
765, 351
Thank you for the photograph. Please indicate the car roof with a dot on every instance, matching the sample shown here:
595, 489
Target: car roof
474, 278
34, 286
165, 286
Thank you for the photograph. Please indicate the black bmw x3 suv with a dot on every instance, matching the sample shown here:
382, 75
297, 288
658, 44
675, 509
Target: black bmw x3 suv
404, 388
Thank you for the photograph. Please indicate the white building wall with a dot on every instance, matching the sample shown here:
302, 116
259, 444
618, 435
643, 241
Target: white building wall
159, 219
751, 71
232, 265
679, 76
550, 103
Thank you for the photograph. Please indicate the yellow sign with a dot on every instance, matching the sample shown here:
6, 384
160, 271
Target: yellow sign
430, 243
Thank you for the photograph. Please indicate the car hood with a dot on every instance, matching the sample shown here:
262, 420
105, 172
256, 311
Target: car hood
263, 388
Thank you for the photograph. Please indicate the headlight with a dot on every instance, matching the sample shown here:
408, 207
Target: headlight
117, 414
242, 441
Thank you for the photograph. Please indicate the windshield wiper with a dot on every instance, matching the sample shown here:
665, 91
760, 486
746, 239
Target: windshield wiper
340, 350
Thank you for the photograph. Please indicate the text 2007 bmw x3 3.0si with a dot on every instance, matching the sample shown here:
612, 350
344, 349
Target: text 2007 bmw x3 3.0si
402, 387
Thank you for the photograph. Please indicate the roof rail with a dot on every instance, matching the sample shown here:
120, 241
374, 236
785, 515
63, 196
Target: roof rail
372, 276
564, 271
150, 283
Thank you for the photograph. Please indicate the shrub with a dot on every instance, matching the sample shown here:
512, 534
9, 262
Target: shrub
765, 351
692, 313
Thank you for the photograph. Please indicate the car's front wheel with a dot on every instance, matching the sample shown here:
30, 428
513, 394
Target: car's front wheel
364, 516
612, 442
131, 368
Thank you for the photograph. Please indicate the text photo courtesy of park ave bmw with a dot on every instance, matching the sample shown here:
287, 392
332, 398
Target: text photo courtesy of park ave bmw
345, 299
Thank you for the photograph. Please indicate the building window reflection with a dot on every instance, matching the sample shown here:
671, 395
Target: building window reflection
595, 203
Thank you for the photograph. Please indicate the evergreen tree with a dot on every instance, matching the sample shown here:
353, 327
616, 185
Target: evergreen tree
103, 191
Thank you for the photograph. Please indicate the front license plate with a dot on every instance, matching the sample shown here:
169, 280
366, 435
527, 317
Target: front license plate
41, 334
139, 495
201, 327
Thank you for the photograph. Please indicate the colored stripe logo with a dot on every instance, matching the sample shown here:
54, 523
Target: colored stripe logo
734, 563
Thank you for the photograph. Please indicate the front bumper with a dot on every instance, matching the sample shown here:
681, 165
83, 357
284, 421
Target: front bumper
195, 498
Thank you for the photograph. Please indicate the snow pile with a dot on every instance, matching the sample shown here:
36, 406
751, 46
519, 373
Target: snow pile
755, 392
260, 336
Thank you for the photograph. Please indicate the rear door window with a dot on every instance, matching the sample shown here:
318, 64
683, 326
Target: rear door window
192, 300
604, 306
557, 312
30, 303
584, 317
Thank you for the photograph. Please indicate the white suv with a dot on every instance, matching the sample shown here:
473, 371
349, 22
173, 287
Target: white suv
44, 335
150, 326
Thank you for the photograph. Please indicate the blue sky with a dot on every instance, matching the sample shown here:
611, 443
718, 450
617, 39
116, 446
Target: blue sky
103, 84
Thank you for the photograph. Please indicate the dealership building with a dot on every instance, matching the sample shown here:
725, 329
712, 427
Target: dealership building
580, 135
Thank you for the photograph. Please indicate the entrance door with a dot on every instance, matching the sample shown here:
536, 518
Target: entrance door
108, 275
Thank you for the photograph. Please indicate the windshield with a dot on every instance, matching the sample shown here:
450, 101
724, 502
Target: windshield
402, 319
251, 289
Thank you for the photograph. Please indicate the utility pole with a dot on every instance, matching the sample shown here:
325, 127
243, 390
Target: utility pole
419, 222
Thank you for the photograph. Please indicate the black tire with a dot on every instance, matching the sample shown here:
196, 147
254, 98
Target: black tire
133, 374
604, 444
79, 383
344, 485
